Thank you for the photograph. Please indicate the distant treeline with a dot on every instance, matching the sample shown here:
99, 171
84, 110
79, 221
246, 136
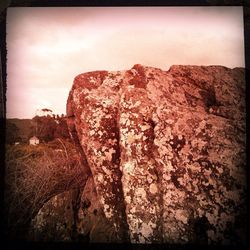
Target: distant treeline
45, 127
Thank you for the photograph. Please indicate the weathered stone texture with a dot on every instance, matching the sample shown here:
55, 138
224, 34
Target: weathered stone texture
54, 220
91, 219
166, 150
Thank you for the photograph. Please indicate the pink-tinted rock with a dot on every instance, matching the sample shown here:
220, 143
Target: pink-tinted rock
55, 220
166, 150
91, 219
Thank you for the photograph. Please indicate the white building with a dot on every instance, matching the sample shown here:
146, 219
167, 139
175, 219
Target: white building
34, 140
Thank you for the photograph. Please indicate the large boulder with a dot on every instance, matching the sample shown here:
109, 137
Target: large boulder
166, 150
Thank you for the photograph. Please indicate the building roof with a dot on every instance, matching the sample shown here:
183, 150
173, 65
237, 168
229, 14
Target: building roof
34, 138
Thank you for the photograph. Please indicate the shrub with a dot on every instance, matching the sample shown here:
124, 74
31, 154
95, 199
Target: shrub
33, 175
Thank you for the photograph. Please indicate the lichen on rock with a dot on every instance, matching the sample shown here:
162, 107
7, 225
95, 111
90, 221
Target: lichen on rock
166, 150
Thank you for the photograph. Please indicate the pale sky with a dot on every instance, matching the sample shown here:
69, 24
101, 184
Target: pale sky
48, 47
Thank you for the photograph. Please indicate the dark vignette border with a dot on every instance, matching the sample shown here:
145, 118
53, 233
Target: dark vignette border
4, 4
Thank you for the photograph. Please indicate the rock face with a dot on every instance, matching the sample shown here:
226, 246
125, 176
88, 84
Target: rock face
91, 219
73, 216
54, 220
166, 150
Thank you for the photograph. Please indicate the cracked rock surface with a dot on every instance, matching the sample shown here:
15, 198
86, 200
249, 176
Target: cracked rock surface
166, 150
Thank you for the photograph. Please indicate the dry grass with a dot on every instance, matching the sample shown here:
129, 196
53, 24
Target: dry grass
34, 174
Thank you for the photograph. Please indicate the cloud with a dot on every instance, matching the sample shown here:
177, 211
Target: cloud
48, 47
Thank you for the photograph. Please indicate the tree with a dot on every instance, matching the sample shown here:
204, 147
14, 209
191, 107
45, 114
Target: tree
61, 128
48, 126
44, 125
12, 132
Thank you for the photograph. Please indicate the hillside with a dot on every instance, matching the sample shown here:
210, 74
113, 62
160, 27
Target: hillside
24, 127
45, 127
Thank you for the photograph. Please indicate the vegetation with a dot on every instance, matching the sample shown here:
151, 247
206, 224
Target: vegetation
33, 175
12, 132
45, 125
47, 128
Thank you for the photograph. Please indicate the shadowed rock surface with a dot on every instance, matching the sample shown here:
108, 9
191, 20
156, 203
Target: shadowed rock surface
166, 150
54, 220
73, 215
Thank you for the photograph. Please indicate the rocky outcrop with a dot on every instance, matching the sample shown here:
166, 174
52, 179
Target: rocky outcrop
55, 220
92, 222
166, 150
73, 215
